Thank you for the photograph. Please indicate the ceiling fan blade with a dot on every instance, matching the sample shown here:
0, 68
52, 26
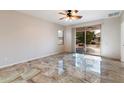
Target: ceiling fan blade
62, 13
76, 17
76, 11
62, 18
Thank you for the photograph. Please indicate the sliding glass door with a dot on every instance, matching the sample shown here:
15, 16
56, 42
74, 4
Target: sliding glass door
88, 40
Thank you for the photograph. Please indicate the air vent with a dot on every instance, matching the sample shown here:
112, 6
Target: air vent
115, 14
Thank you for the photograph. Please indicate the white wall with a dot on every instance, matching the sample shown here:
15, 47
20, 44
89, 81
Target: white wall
122, 38
110, 36
68, 39
23, 38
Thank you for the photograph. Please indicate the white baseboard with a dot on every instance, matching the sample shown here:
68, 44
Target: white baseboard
117, 59
24, 61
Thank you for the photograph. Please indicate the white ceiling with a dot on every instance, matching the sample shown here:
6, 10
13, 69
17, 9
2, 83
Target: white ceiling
53, 16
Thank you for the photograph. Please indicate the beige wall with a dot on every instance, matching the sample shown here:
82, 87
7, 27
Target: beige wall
24, 38
110, 36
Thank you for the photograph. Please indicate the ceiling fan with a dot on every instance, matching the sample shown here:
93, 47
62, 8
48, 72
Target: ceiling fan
70, 15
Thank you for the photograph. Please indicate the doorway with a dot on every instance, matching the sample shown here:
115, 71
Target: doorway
88, 40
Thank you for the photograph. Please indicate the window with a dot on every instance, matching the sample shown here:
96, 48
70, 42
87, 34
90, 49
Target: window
60, 37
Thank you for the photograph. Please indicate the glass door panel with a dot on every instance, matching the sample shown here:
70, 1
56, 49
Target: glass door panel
93, 42
80, 41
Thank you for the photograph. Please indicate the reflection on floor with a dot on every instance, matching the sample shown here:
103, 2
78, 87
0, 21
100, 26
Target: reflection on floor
65, 68
90, 49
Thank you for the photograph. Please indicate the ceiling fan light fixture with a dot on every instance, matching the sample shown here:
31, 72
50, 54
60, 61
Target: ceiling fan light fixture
74, 13
73, 18
67, 18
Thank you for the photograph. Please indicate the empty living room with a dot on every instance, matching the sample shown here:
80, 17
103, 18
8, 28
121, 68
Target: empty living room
61, 46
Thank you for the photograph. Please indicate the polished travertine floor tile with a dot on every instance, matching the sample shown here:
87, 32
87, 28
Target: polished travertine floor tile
66, 68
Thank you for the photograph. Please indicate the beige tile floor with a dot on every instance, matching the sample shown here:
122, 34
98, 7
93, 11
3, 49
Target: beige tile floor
66, 68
